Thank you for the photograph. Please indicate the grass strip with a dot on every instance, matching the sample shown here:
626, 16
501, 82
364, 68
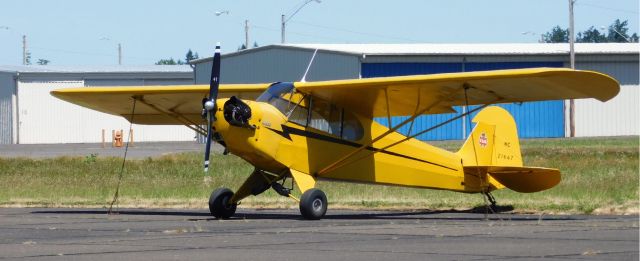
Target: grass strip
600, 175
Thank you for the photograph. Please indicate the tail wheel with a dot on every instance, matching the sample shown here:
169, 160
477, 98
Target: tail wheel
219, 203
313, 204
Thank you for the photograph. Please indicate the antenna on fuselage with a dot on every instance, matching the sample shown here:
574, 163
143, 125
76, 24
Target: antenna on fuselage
304, 77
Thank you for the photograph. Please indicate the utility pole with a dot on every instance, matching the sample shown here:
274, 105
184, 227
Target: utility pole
572, 60
282, 30
246, 33
284, 21
119, 54
24, 50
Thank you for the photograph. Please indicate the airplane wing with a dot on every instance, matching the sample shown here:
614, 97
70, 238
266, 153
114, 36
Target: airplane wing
404, 95
168, 105
374, 97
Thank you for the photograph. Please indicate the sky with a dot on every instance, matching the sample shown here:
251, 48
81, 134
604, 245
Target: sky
81, 32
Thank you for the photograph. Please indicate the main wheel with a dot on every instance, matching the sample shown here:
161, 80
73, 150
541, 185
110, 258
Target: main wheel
313, 204
219, 203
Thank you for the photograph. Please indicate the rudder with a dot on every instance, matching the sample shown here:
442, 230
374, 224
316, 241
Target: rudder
491, 157
493, 141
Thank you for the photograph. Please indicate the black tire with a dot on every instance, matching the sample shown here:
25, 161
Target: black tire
219, 203
313, 204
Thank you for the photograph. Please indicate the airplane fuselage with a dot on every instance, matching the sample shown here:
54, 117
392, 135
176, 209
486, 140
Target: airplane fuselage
273, 142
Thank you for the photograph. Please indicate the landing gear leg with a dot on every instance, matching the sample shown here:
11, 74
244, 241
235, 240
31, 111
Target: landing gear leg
313, 202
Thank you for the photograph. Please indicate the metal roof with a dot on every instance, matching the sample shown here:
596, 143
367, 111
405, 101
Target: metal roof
454, 49
97, 69
475, 49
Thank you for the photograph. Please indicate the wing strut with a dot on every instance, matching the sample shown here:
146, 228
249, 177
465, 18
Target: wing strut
465, 87
416, 110
386, 95
424, 131
437, 126
335, 164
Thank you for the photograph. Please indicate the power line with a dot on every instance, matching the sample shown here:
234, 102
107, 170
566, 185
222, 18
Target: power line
608, 8
87, 53
297, 33
356, 32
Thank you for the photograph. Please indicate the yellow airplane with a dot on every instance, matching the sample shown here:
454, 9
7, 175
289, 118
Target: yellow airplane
325, 130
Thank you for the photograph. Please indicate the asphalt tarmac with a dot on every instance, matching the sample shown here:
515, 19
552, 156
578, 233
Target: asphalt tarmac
152, 234
136, 150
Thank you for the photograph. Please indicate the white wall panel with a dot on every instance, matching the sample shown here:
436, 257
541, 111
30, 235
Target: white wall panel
45, 119
616, 117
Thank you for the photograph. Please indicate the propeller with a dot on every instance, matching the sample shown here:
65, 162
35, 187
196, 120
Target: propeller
209, 104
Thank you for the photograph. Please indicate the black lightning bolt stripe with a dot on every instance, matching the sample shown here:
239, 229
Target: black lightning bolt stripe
287, 131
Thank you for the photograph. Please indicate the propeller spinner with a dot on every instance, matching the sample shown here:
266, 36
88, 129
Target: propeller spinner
209, 104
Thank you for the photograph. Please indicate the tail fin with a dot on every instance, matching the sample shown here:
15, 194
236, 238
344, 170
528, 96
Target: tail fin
493, 148
494, 140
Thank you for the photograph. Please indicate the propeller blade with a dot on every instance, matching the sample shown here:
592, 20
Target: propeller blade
210, 104
207, 149
214, 84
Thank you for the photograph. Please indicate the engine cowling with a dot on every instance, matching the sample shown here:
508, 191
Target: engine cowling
237, 113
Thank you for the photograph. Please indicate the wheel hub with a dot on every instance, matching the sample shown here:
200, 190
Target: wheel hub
317, 204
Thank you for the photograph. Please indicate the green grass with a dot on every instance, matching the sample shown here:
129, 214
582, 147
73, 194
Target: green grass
599, 175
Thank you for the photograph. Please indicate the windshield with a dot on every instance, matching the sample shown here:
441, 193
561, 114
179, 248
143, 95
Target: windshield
323, 116
283, 96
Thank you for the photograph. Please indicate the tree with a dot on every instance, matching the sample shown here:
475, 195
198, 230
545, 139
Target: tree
557, 35
190, 56
43, 61
169, 61
187, 57
591, 35
243, 46
618, 32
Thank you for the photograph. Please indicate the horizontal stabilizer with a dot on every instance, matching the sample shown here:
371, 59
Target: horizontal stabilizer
521, 179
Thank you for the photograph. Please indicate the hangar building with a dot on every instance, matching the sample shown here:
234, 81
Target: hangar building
29, 114
619, 116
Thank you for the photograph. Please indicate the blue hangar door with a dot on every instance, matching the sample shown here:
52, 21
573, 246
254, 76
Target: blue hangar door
534, 119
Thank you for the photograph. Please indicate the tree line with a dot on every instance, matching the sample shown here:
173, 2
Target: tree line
617, 32
187, 57
192, 56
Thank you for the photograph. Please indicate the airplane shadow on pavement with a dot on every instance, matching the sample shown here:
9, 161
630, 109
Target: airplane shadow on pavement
476, 213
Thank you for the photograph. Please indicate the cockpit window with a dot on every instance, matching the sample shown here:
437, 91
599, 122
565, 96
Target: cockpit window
283, 96
351, 127
323, 116
329, 118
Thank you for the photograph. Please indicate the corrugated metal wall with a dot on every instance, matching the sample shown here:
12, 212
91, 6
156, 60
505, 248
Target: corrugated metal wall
534, 119
7, 90
616, 117
625, 72
272, 65
540, 119
45, 119
136, 82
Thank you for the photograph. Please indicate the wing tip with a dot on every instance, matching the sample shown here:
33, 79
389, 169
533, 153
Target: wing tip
609, 86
